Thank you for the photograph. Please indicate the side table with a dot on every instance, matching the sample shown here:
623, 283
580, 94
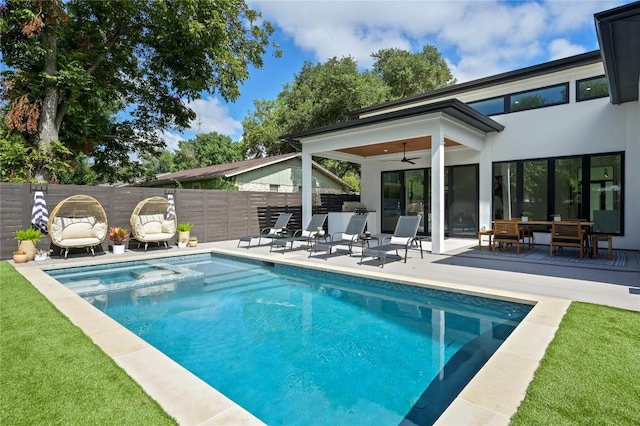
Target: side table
487, 233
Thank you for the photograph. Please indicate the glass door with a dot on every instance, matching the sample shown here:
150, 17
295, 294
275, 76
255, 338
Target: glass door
415, 195
461, 200
393, 199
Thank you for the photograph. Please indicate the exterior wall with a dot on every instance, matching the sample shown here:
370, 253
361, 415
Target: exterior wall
577, 128
288, 176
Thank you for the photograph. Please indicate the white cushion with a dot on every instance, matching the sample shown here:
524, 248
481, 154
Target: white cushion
100, 230
77, 230
346, 236
308, 234
168, 227
399, 240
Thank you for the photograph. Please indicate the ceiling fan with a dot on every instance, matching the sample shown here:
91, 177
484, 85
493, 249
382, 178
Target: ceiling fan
404, 155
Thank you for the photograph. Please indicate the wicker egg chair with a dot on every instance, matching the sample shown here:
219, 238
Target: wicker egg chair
150, 222
78, 222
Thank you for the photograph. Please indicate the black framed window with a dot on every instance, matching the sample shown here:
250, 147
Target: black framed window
586, 187
591, 88
491, 106
538, 98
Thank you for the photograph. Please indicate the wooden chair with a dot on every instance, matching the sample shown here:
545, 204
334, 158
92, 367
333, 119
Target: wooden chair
567, 234
526, 231
508, 232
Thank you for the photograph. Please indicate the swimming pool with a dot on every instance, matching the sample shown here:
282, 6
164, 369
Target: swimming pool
295, 346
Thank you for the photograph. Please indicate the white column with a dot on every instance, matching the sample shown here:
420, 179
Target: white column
486, 186
307, 190
437, 192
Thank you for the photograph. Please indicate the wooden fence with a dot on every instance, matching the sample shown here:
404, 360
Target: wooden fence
216, 215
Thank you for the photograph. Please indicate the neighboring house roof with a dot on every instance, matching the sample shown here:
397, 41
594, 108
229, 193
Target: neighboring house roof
237, 168
619, 38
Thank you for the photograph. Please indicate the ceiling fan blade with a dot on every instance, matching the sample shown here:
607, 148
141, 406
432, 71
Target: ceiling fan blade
407, 160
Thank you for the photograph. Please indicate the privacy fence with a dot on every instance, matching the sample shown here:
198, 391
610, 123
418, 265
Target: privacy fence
216, 215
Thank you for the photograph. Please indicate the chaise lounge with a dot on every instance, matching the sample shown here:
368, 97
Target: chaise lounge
306, 235
350, 236
403, 237
270, 232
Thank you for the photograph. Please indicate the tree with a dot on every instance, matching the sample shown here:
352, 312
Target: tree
104, 77
206, 150
407, 73
262, 129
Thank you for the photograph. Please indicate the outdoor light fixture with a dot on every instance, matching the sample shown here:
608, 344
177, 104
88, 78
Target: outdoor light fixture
606, 172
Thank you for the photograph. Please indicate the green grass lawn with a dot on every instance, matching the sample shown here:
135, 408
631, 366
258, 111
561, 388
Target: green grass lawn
590, 374
54, 374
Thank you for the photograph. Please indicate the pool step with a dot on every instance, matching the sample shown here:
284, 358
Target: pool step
240, 280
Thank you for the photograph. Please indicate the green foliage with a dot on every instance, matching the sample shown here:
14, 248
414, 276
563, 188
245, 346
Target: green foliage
81, 172
220, 182
22, 161
206, 150
184, 227
29, 234
55, 375
325, 93
590, 373
76, 66
407, 73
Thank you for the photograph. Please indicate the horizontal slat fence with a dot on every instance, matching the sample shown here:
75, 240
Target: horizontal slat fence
216, 215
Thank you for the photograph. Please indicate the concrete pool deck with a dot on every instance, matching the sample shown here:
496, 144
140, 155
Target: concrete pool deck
493, 395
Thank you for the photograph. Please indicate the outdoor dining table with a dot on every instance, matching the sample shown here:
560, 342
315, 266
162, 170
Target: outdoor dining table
588, 226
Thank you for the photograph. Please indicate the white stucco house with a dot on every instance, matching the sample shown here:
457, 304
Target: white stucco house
561, 137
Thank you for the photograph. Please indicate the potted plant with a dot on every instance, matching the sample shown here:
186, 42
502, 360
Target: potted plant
27, 239
182, 243
193, 241
320, 232
19, 256
118, 236
557, 217
184, 230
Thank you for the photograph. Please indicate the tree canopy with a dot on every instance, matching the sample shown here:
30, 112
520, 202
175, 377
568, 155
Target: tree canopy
104, 77
325, 93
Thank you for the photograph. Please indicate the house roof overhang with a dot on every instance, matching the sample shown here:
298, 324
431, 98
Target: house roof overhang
618, 32
385, 133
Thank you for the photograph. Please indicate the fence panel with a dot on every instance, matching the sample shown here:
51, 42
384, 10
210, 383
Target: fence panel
216, 215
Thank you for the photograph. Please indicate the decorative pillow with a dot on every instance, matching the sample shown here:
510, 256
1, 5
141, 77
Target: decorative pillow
153, 227
146, 218
399, 240
100, 230
56, 229
140, 229
273, 231
169, 227
81, 229
351, 237
308, 234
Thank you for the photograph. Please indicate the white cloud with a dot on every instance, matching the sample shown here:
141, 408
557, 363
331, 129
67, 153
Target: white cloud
478, 38
212, 116
561, 48
171, 139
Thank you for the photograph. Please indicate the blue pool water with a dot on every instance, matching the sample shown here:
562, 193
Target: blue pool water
302, 347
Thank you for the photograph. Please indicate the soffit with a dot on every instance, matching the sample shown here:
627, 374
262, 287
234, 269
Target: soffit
619, 37
395, 147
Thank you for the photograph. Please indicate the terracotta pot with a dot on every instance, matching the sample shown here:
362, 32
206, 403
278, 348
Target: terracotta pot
20, 258
28, 247
192, 243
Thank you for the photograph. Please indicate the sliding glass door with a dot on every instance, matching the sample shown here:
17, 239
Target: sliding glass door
408, 192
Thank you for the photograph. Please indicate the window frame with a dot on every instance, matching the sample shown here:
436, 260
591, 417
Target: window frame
584, 80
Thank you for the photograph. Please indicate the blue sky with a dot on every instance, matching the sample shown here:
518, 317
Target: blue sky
477, 38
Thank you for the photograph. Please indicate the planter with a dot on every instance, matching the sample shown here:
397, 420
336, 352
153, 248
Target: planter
118, 249
182, 244
28, 247
192, 243
20, 258
557, 218
525, 218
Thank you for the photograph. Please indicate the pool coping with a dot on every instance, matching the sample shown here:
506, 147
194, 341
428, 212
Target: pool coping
491, 397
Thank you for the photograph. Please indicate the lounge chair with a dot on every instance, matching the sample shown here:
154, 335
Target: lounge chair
271, 232
355, 228
151, 223
307, 235
403, 237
